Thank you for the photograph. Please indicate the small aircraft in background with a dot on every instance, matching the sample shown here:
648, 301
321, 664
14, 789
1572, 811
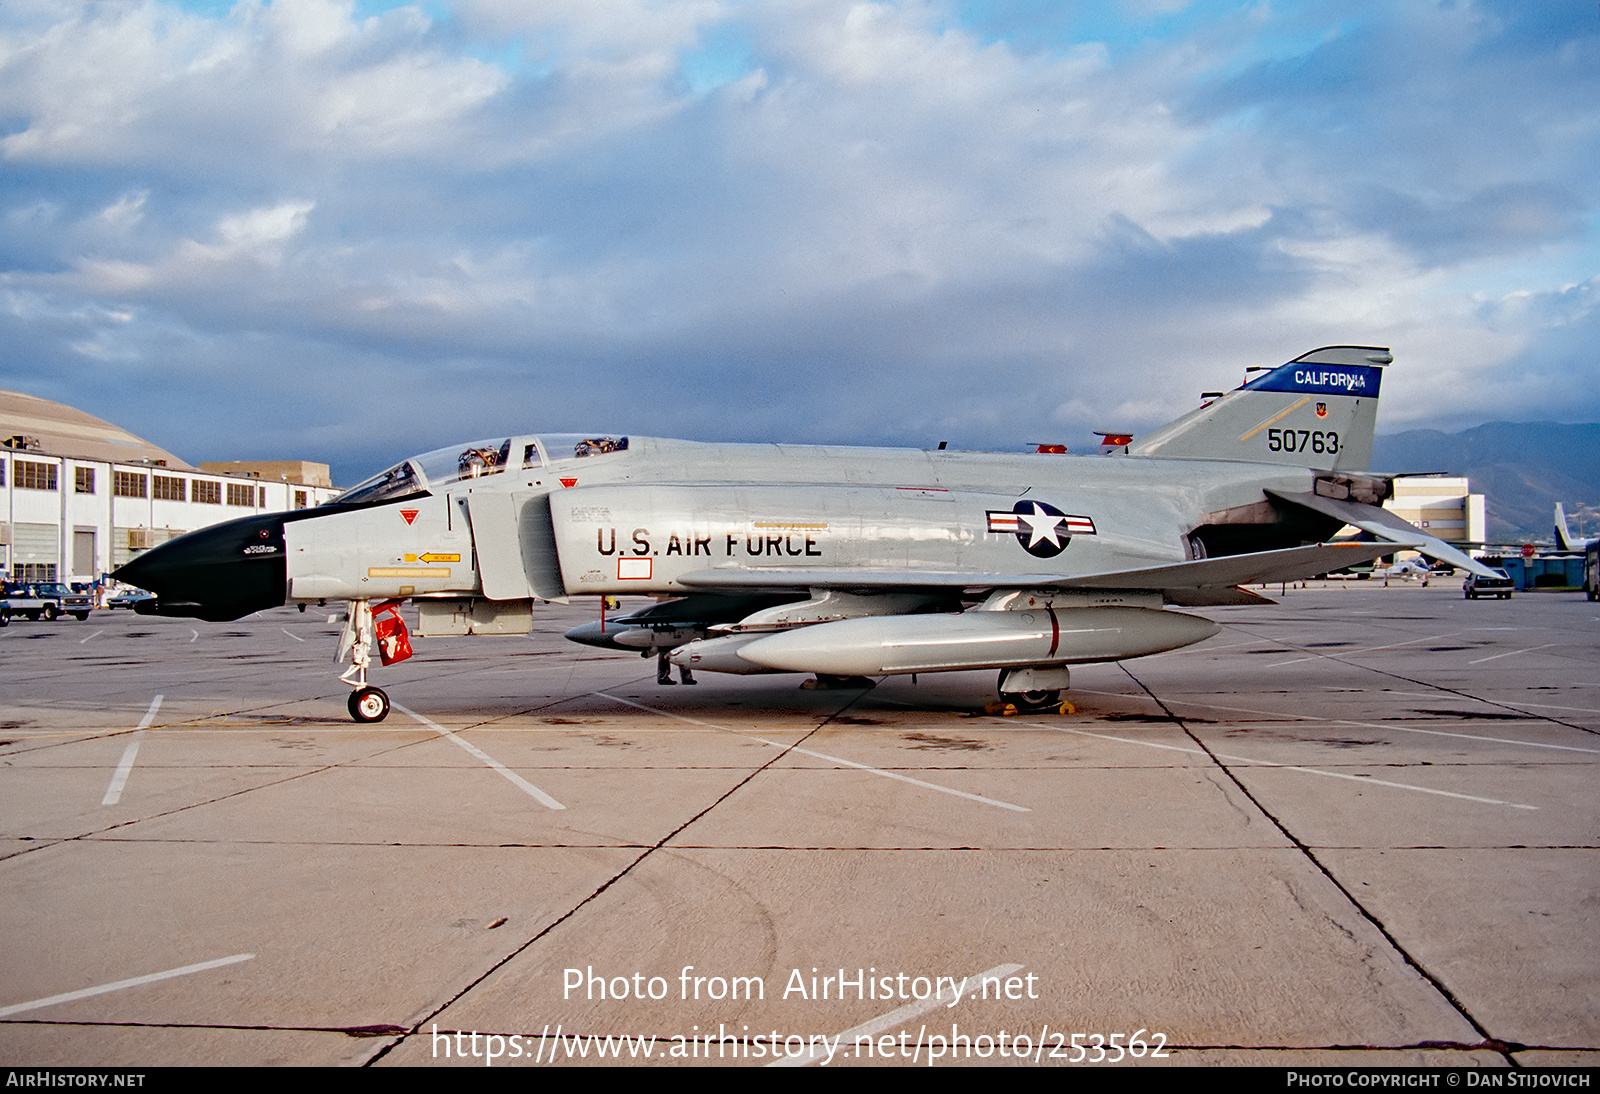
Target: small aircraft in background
841, 562
1411, 567
1565, 540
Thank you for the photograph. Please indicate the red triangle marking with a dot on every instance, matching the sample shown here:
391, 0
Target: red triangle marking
410, 514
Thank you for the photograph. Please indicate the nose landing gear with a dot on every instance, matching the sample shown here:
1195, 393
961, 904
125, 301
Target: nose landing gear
367, 703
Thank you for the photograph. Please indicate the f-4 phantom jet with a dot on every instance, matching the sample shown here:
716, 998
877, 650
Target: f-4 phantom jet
841, 562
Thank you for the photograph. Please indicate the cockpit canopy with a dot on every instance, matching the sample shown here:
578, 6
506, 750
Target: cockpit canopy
439, 469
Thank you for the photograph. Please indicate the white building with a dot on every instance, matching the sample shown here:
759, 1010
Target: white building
1441, 506
79, 496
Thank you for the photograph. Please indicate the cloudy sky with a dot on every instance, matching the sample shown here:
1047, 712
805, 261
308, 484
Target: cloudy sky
347, 232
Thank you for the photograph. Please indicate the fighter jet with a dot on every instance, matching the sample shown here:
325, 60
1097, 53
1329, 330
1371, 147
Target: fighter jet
838, 562
1411, 567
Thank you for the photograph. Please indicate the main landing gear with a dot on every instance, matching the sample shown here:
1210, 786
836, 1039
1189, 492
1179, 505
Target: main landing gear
1034, 688
367, 703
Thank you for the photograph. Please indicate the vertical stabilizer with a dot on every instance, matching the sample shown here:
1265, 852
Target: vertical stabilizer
1564, 539
1317, 411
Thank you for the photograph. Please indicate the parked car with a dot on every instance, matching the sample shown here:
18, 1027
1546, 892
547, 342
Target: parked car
1500, 586
45, 600
128, 598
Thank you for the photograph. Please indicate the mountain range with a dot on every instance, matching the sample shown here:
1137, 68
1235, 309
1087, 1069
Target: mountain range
1521, 468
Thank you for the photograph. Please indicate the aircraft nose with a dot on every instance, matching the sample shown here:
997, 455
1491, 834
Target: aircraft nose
218, 573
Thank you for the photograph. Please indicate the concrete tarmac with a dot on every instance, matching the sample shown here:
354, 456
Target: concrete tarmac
1356, 828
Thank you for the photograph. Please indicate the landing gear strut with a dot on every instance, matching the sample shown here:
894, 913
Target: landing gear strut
367, 704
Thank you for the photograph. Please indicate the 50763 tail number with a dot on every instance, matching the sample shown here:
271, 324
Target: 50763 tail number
1302, 440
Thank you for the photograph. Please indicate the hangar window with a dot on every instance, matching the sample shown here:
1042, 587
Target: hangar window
168, 488
35, 476
127, 484
241, 494
207, 493
85, 479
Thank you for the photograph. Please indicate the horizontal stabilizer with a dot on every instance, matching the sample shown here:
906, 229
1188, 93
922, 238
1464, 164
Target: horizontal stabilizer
1379, 522
1263, 567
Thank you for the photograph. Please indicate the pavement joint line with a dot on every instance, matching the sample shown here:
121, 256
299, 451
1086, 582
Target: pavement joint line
579, 906
516, 780
119, 778
112, 827
1333, 879
897, 1017
291, 634
132, 982
1365, 780
824, 756
1441, 688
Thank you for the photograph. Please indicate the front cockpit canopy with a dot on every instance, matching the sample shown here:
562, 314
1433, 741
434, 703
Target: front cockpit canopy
443, 467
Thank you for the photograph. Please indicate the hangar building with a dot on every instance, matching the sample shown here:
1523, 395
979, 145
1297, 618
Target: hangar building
80, 496
1442, 505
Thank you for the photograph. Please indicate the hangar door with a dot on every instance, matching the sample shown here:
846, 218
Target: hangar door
35, 551
83, 553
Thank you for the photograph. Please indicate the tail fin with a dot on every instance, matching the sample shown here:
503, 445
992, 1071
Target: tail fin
1564, 538
1317, 411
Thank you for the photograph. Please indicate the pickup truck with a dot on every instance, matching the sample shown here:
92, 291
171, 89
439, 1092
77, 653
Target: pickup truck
43, 600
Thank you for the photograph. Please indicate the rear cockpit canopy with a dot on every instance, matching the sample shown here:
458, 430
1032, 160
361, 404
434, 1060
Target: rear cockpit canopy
438, 470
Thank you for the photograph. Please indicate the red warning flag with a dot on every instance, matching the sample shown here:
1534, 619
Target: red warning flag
394, 641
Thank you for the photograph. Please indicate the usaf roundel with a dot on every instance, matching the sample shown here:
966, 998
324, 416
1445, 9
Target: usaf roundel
1043, 530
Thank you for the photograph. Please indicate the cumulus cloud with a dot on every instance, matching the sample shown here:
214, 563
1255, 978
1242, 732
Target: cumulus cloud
898, 221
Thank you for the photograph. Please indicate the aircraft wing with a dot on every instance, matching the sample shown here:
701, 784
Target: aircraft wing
1205, 581
1386, 526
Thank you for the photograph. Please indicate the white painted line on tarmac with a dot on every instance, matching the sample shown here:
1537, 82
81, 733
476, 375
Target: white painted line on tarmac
96, 634
291, 634
1554, 706
516, 780
1334, 654
1207, 649
119, 779
196, 636
1513, 653
85, 993
1275, 714
823, 756
902, 778
898, 1017
1364, 779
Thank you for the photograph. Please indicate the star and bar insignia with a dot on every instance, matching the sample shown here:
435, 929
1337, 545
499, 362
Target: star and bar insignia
1043, 530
